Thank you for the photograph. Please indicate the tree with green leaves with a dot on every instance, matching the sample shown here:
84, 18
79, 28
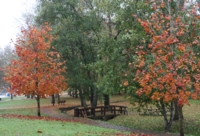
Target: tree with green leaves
75, 25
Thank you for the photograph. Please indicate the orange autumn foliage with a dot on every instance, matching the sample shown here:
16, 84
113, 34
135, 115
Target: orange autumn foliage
173, 74
38, 69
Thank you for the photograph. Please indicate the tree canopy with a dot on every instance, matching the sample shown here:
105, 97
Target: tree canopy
37, 71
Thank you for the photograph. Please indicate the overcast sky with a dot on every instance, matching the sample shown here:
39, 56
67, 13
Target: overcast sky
11, 12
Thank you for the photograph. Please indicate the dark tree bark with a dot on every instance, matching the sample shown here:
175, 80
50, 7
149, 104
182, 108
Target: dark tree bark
168, 122
181, 121
76, 93
70, 93
82, 98
176, 114
106, 100
93, 97
53, 99
11, 96
176, 111
38, 105
58, 97
28, 96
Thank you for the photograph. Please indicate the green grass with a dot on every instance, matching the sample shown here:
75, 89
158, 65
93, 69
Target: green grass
191, 122
133, 120
22, 127
20, 111
23, 103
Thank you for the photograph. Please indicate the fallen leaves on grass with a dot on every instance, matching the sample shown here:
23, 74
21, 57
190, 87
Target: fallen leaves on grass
36, 118
136, 134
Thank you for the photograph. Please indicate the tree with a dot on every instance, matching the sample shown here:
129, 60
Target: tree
37, 71
76, 25
6, 55
172, 74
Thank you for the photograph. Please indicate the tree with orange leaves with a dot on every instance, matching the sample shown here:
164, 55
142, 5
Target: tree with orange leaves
38, 69
173, 72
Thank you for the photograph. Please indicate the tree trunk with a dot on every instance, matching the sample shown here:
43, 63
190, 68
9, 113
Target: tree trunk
70, 93
181, 121
53, 99
168, 123
28, 96
76, 93
93, 97
82, 98
11, 96
176, 115
38, 105
106, 100
58, 96
176, 111
83, 102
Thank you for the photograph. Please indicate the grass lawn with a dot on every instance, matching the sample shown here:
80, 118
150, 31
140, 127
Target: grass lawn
133, 120
191, 121
22, 103
23, 127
